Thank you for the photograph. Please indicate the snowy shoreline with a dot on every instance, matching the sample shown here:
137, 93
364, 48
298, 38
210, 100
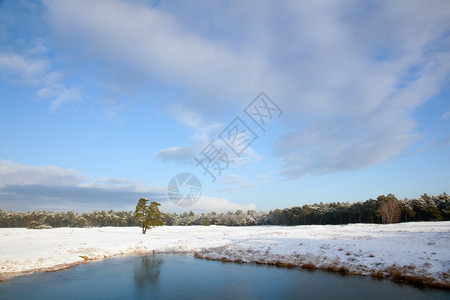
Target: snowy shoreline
411, 252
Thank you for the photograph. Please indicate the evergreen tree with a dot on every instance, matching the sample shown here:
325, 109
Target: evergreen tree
407, 210
148, 216
433, 210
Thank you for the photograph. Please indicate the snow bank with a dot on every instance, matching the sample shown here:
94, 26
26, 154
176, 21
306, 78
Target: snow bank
414, 252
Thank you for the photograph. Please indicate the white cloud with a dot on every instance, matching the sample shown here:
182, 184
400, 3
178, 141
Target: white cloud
263, 177
349, 75
191, 118
181, 155
269, 178
150, 40
124, 185
233, 182
28, 69
26, 187
60, 95
12, 173
204, 133
445, 115
249, 156
35, 72
201, 141
206, 203
231, 179
112, 107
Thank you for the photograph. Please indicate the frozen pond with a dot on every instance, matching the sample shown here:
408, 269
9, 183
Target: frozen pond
171, 276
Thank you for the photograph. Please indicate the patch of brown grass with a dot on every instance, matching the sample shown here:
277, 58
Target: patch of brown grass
343, 270
377, 274
336, 268
396, 273
309, 265
400, 274
331, 268
61, 267
284, 265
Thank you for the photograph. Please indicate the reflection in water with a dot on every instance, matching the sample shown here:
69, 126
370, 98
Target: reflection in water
147, 272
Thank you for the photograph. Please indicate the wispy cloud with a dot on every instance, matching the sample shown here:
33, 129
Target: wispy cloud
112, 107
205, 133
189, 117
233, 182
445, 115
60, 95
35, 71
12, 173
151, 41
349, 75
179, 155
28, 70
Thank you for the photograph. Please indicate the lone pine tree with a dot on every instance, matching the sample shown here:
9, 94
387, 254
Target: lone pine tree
148, 215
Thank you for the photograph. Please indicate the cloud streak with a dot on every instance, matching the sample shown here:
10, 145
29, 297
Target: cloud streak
12, 173
34, 72
27, 69
180, 155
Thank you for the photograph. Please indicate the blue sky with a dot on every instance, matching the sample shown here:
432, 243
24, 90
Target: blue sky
103, 102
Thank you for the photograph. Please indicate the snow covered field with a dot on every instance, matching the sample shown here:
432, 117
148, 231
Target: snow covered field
414, 252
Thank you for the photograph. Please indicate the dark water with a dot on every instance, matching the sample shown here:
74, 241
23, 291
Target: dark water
185, 277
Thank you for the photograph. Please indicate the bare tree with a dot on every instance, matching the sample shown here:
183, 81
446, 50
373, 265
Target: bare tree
390, 211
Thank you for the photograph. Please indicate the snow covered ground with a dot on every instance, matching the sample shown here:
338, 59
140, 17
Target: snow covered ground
414, 252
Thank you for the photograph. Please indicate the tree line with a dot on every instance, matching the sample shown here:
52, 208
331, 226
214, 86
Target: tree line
384, 209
